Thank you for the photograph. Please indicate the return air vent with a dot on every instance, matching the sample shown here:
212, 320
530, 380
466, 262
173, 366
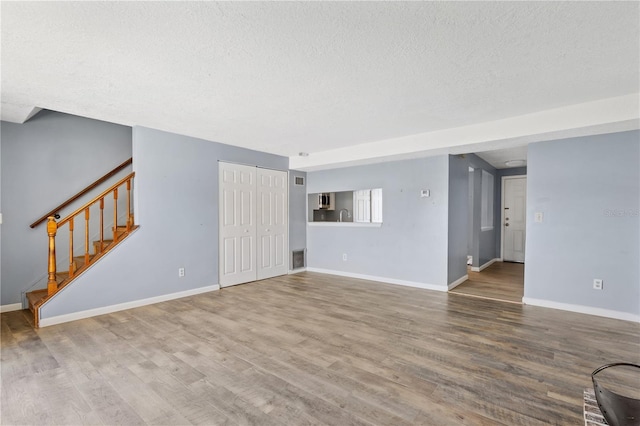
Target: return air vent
299, 180
298, 259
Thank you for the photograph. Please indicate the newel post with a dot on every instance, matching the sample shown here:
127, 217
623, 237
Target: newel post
52, 228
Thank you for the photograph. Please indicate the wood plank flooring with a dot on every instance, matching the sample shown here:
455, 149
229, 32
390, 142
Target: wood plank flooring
310, 349
500, 281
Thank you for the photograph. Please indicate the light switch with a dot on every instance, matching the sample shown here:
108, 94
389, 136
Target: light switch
538, 217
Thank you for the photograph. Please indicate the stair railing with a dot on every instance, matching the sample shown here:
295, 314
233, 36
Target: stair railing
81, 193
53, 227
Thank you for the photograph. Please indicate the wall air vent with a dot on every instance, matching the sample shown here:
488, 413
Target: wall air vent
299, 180
298, 259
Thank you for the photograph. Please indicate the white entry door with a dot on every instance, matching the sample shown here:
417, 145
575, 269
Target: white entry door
237, 239
254, 221
273, 206
514, 202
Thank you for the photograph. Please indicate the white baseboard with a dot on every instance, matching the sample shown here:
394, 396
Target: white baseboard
589, 310
10, 308
45, 322
379, 279
457, 282
297, 271
486, 265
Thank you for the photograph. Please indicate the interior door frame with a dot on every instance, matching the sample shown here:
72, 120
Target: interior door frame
502, 216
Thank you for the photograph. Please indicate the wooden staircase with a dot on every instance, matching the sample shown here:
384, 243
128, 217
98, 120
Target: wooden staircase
37, 298
79, 264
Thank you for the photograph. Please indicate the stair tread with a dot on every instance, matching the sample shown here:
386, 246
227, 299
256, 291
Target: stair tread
82, 257
35, 296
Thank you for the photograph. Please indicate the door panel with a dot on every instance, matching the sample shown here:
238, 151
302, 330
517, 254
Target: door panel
237, 224
229, 258
280, 251
514, 224
266, 252
272, 223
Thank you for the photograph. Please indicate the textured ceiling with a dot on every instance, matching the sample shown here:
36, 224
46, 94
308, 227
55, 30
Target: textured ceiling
285, 77
499, 157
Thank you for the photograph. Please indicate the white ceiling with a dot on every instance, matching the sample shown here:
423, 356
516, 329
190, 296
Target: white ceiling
347, 82
497, 158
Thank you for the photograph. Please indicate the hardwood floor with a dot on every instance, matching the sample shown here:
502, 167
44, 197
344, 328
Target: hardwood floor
310, 349
500, 281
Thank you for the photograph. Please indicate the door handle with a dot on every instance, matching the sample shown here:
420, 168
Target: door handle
506, 224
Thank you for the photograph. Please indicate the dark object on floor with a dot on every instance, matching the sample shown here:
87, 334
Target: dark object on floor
618, 410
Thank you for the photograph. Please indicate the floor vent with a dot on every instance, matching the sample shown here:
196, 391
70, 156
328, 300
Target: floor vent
298, 259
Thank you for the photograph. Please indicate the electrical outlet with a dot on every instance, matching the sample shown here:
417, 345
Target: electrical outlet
344, 257
181, 272
597, 284
538, 217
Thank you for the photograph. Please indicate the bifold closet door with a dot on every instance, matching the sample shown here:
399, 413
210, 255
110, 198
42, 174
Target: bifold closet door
254, 223
237, 210
272, 221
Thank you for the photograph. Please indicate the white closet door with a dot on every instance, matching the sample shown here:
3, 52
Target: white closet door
237, 239
272, 219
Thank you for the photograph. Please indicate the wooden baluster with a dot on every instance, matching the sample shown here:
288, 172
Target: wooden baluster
128, 206
72, 264
52, 228
86, 236
101, 224
115, 214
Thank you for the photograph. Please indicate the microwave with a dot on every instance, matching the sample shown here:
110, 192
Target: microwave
325, 201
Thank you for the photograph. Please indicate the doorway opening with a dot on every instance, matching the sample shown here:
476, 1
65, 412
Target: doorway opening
496, 226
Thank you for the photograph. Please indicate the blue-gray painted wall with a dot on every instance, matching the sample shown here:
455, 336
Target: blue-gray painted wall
588, 189
297, 211
44, 162
483, 243
411, 244
458, 217
176, 200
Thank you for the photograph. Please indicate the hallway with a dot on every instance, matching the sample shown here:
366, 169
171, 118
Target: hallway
501, 281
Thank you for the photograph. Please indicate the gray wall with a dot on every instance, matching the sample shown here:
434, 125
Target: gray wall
458, 217
297, 212
45, 161
471, 218
177, 210
483, 243
411, 244
588, 189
